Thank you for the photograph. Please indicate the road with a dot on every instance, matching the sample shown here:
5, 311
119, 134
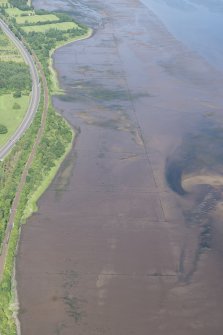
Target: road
32, 109
34, 97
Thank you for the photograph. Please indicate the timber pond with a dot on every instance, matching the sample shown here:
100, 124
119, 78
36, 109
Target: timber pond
128, 237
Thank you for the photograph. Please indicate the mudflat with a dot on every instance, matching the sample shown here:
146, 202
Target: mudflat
112, 249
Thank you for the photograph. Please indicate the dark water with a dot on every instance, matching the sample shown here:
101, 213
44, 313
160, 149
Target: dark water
197, 23
113, 250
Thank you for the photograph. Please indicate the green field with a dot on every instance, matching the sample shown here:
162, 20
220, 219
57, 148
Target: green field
11, 117
8, 51
18, 12
36, 19
3, 2
63, 26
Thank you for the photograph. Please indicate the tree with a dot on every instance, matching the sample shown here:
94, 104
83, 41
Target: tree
16, 106
17, 94
3, 129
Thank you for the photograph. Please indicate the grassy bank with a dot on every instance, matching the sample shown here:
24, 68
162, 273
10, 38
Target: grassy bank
55, 144
31, 206
55, 86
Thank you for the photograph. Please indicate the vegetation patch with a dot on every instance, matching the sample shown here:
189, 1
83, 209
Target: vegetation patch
8, 51
12, 112
14, 77
16, 106
44, 44
13, 11
55, 144
63, 26
3, 129
35, 19
31, 206
3, 3
10, 173
21, 4
15, 86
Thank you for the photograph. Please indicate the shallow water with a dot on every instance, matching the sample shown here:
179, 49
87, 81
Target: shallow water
113, 250
197, 23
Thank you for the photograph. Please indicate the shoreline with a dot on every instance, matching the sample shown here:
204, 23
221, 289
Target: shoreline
56, 90
160, 247
28, 211
32, 203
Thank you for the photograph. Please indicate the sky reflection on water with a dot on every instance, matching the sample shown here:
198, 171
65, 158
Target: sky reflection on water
197, 23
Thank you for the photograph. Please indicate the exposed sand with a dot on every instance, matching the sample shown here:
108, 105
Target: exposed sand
202, 179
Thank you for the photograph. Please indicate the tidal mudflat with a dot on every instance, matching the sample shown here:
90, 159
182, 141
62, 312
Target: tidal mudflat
127, 239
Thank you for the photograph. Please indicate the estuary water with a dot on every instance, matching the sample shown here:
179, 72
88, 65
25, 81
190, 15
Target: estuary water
197, 23
128, 237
